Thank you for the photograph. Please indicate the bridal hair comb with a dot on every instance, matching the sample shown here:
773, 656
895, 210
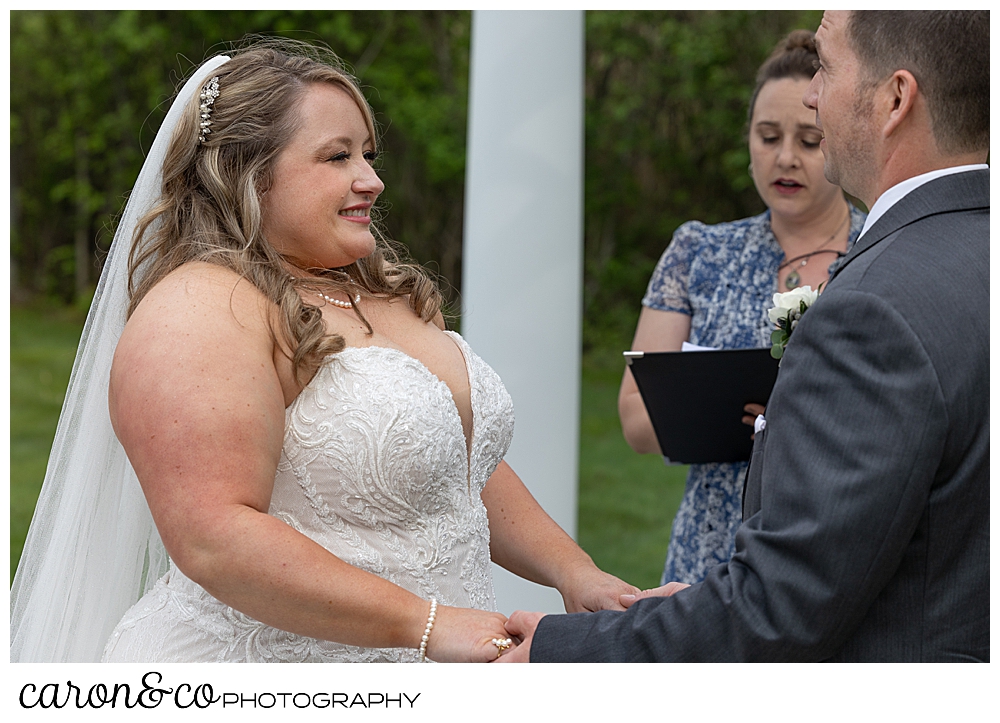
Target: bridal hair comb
208, 95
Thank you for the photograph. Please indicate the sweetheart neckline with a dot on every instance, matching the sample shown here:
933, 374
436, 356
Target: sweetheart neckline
463, 350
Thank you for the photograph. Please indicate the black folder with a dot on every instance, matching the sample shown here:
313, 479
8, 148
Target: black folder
695, 400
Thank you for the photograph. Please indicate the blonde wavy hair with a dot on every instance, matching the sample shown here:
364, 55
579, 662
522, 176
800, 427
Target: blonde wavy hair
209, 208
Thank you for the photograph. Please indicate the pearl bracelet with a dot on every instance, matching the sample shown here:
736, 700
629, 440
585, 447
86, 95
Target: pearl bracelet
427, 630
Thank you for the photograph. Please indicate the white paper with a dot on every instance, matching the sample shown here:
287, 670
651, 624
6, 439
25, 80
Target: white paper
685, 346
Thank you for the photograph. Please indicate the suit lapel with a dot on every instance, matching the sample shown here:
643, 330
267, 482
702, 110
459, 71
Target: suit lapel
947, 194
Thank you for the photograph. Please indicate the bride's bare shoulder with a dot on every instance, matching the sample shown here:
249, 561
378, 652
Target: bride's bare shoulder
203, 295
199, 283
199, 306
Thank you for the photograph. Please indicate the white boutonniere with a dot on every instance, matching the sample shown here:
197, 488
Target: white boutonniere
785, 315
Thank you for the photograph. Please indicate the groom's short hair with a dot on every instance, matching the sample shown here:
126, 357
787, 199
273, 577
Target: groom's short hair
948, 53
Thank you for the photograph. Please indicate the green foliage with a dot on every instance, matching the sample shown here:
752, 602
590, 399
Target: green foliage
779, 338
785, 325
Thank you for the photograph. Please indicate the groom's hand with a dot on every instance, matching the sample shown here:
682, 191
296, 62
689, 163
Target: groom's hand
663, 591
520, 625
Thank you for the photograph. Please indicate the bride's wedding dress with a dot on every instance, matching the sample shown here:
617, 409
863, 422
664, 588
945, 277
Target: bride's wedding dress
375, 467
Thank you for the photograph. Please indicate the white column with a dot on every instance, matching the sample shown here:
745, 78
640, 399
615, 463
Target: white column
522, 263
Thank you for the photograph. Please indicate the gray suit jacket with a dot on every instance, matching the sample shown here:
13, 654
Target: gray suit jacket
866, 510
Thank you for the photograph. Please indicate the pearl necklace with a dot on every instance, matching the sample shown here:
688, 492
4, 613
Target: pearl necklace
338, 302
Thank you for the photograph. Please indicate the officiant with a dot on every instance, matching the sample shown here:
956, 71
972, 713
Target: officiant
714, 283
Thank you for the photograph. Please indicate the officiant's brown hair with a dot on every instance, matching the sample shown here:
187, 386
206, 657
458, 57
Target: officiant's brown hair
948, 52
793, 57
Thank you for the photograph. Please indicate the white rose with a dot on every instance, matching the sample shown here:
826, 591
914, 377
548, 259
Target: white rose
791, 300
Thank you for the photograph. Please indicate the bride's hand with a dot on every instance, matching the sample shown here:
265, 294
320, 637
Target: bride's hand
668, 590
465, 635
589, 589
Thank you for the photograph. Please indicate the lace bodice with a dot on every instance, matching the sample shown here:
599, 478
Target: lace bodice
376, 469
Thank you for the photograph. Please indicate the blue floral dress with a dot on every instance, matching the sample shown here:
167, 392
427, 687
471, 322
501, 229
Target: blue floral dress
724, 277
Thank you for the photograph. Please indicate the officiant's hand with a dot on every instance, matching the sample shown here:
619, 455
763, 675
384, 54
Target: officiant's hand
521, 626
589, 589
752, 411
663, 591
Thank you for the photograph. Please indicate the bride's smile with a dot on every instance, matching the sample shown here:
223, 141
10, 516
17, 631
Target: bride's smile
317, 208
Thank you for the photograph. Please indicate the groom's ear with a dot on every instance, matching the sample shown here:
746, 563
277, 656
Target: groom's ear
898, 96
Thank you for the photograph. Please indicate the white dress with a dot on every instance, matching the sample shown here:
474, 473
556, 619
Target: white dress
374, 467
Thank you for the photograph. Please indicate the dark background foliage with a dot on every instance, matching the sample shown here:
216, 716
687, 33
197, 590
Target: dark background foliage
666, 100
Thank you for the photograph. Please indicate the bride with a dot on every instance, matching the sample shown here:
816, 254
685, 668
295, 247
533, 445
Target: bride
322, 461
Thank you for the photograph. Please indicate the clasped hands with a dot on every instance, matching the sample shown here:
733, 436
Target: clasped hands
468, 635
521, 625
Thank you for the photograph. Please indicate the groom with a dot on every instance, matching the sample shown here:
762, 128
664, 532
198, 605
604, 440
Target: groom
866, 509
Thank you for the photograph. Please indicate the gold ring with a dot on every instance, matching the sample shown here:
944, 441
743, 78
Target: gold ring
502, 645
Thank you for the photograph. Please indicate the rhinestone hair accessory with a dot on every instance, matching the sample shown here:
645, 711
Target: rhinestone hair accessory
208, 95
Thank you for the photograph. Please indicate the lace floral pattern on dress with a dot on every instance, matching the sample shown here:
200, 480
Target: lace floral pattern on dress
376, 469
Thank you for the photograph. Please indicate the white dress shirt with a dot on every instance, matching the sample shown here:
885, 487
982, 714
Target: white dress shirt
888, 199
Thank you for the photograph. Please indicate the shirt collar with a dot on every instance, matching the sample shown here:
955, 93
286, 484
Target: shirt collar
889, 199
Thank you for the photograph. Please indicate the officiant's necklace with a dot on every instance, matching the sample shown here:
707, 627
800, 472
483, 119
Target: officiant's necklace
793, 279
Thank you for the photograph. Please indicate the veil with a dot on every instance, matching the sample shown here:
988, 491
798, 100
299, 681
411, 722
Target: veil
92, 550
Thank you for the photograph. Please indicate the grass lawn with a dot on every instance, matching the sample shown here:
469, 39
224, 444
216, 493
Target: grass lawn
42, 346
627, 501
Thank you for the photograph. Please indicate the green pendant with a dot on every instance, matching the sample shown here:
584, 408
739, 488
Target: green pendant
792, 280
